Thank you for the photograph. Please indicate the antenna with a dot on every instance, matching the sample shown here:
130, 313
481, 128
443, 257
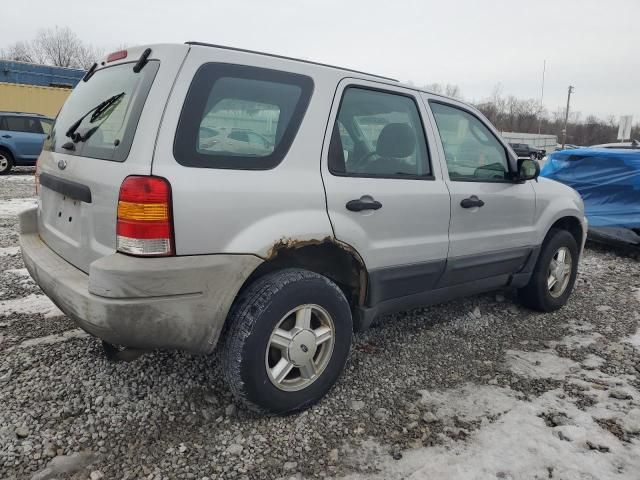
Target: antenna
566, 116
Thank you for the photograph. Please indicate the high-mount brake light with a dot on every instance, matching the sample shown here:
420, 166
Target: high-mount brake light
119, 55
145, 223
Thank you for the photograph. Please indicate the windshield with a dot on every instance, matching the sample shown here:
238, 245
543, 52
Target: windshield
108, 133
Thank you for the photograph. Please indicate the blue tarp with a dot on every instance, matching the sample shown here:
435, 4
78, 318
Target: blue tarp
607, 179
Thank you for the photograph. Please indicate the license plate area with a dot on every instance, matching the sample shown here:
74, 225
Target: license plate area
62, 216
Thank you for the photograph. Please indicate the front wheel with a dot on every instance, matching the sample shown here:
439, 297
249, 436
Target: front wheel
288, 340
554, 274
533, 156
6, 162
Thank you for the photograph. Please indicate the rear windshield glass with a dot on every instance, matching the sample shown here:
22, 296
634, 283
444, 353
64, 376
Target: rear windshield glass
240, 117
109, 134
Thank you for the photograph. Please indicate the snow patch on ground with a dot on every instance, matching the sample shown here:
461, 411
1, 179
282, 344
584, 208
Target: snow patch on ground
30, 304
19, 178
635, 339
6, 251
519, 445
517, 438
470, 402
13, 206
19, 276
19, 272
542, 364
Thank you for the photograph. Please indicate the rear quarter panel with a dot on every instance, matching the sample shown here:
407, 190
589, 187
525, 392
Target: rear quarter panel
248, 211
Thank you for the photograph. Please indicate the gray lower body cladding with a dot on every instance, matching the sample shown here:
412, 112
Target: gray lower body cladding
146, 303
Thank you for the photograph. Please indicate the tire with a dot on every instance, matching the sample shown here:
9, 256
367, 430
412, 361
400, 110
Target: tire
250, 360
538, 294
6, 162
533, 156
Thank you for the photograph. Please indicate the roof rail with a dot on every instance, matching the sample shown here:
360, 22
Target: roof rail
202, 44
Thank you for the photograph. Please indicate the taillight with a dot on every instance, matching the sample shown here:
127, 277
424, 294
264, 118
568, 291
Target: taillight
145, 225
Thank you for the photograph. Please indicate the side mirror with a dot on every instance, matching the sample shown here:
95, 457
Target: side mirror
528, 169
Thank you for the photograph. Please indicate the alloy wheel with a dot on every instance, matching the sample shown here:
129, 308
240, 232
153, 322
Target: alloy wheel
4, 163
300, 347
559, 273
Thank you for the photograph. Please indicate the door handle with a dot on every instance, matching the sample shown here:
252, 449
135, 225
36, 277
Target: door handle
471, 202
363, 204
6, 136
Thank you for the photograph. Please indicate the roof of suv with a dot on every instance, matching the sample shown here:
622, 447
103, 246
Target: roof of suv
284, 57
203, 44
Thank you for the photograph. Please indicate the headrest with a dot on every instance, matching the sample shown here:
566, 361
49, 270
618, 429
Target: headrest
396, 140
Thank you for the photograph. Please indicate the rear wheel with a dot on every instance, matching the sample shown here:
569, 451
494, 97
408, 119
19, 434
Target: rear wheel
554, 274
6, 162
288, 339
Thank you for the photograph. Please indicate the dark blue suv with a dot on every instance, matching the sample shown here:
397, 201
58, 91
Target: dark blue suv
21, 138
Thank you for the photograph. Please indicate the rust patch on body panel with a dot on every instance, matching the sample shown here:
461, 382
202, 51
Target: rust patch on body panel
320, 255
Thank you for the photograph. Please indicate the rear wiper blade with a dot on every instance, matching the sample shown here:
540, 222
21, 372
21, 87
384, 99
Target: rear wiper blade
95, 112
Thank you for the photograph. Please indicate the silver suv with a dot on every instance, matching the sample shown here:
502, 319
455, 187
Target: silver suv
358, 196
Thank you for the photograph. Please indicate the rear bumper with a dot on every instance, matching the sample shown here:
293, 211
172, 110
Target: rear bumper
146, 303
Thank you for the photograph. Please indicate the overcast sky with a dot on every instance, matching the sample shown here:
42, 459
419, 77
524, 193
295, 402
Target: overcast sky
591, 44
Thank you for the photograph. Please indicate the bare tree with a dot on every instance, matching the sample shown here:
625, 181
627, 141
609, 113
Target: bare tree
449, 89
88, 55
21, 52
59, 47
511, 114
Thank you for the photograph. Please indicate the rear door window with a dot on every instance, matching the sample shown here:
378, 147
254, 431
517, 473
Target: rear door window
23, 124
240, 117
378, 134
108, 135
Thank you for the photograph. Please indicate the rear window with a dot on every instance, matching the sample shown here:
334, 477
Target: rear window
22, 124
109, 135
240, 117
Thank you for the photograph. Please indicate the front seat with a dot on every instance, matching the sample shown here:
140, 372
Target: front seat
396, 142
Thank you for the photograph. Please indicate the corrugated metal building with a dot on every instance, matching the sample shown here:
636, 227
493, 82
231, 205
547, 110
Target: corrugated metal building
547, 142
29, 87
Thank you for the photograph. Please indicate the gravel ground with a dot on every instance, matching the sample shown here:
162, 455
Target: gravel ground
477, 388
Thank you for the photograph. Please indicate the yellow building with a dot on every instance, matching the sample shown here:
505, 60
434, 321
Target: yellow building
15, 97
34, 88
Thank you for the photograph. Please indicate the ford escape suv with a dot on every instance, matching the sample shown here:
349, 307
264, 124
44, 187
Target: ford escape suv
342, 196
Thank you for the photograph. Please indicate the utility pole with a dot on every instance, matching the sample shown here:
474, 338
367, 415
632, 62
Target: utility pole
566, 117
544, 68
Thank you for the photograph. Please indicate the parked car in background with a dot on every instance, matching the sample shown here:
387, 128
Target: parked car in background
363, 197
524, 150
21, 138
568, 146
233, 140
632, 145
